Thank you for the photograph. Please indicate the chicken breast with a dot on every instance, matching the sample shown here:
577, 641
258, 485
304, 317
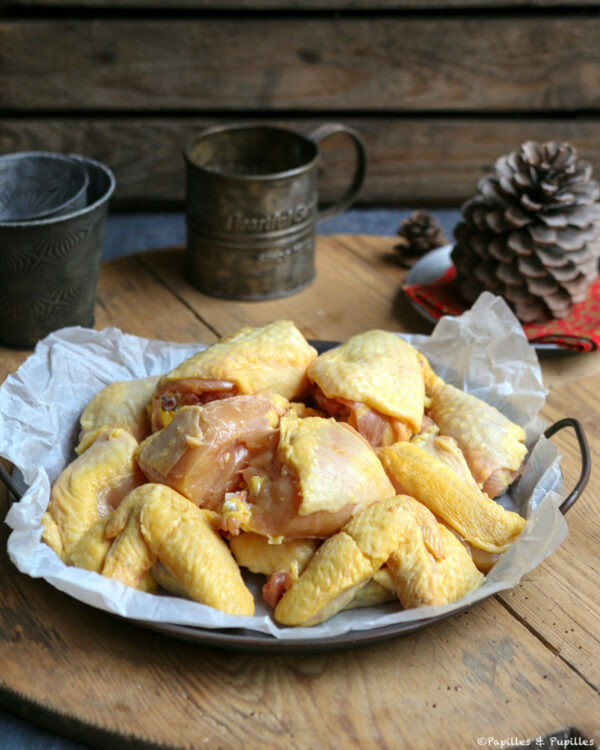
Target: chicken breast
90, 488
493, 446
271, 358
121, 404
322, 473
374, 382
204, 449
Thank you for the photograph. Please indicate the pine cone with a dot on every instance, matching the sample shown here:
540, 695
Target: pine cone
530, 233
419, 234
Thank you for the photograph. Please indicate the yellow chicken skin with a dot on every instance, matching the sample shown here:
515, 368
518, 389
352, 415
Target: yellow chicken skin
121, 404
271, 358
204, 449
374, 382
260, 555
482, 522
322, 472
184, 540
493, 446
446, 450
115, 548
90, 488
345, 562
281, 562
422, 580
155, 524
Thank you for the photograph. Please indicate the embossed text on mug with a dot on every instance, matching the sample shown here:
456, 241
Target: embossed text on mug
238, 222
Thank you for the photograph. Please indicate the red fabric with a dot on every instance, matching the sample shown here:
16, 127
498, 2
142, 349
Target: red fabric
580, 330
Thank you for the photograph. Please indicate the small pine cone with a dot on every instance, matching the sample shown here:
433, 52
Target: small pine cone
419, 234
531, 232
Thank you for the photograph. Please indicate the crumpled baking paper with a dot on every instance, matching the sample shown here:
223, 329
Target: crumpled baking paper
483, 351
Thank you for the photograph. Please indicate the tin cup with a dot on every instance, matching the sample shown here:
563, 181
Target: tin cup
252, 208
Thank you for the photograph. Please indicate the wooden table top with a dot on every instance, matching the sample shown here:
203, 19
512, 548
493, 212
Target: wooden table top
522, 664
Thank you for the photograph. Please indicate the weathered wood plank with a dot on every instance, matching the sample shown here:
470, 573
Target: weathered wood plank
375, 63
412, 161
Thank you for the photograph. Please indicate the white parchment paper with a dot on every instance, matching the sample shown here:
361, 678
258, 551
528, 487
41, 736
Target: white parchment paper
483, 351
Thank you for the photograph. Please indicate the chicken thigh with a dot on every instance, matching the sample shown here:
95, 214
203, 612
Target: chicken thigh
271, 358
374, 382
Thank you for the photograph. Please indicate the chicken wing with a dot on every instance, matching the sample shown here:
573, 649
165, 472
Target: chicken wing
493, 446
155, 524
90, 488
374, 382
421, 580
482, 522
121, 404
346, 561
272, 358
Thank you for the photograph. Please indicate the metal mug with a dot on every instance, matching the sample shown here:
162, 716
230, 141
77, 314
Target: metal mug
252, 208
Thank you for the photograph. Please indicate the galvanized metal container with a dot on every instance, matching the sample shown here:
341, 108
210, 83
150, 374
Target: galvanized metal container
252, 208
49, 267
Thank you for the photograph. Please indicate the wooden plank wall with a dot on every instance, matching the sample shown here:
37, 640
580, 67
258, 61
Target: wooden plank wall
439, 88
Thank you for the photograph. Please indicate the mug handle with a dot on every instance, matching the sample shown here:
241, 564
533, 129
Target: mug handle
324, 131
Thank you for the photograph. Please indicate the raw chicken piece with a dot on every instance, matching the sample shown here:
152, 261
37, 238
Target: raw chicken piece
374, 382
272, 358
446, 450
121, 404
155, 525
322, 472
493, 446
421, 580
90, 488
281, 562
482, 522
204, 449
345, 562
431, 380
260, 555
377, 590
304, 479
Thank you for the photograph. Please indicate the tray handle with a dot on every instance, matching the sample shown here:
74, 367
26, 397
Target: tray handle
10, 484
586, 461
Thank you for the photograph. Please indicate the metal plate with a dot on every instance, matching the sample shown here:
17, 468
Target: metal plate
432, 266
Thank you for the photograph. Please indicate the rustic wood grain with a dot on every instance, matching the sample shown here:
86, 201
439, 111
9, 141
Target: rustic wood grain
376, 63
348, 296
412, 161
560, 598
113, 684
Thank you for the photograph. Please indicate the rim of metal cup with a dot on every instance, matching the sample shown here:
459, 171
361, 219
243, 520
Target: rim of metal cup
66, 159
84, 160
217, 129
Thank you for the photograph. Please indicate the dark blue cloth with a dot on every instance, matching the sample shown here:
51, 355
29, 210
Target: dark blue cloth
126, 234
